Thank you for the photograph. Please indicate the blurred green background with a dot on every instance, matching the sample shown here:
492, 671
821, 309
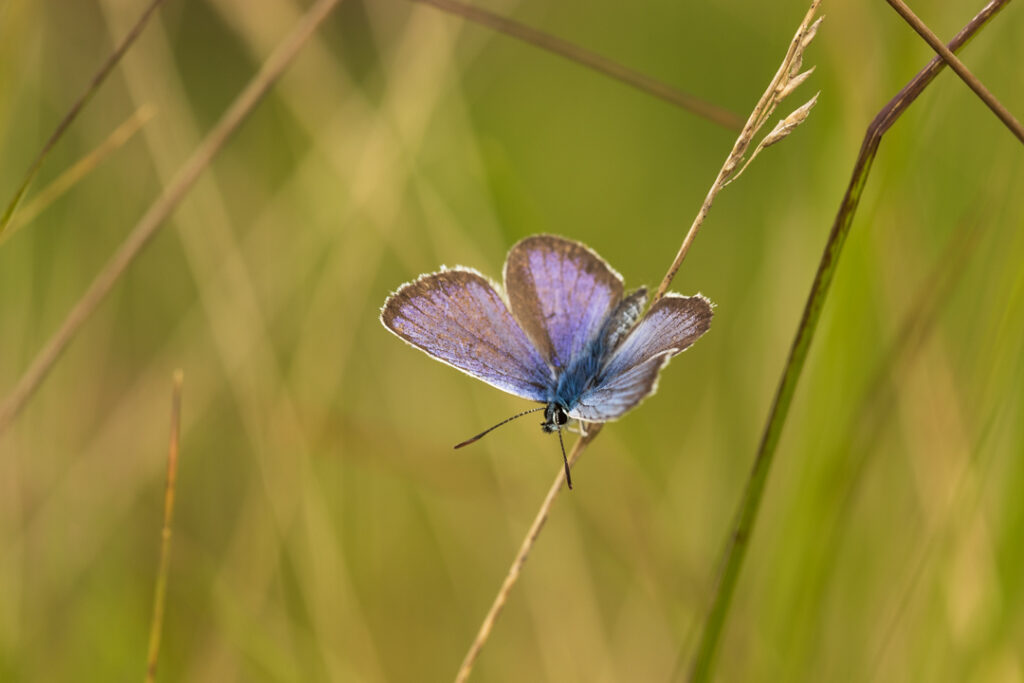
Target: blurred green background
325, 528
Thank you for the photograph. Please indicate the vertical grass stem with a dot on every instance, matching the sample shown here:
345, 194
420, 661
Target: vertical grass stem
738, 542
160, 592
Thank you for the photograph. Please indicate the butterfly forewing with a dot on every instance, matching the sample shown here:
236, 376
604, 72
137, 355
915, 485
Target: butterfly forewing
561, 293
457, 317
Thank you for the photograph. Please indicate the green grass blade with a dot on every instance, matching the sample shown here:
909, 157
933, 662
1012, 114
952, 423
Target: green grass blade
738, 542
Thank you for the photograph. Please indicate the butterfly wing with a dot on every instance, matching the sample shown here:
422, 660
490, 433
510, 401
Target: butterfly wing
631, 373
561, 292
457, 317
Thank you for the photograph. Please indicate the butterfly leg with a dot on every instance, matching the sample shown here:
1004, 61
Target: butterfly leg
578, 427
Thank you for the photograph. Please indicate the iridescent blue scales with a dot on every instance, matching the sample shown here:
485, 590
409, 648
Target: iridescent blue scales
566, 338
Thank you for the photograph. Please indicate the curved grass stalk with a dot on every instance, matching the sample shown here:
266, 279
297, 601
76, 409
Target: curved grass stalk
161, 209
76, 108
76, 172
738, 543
591, 60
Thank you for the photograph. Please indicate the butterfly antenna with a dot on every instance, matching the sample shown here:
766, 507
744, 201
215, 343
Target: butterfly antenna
565, 460
491, 429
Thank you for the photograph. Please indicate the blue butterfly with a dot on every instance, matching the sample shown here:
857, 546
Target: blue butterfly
566, 337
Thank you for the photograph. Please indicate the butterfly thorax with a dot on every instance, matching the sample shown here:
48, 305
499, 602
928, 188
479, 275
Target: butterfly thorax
585, 370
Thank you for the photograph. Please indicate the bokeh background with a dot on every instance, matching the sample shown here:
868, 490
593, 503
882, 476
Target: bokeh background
325, 528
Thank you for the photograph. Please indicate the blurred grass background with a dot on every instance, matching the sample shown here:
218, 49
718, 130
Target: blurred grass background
325, 528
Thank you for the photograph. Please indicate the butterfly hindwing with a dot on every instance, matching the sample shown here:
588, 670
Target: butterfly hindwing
618, 393
631, 372
457, 317
561, 293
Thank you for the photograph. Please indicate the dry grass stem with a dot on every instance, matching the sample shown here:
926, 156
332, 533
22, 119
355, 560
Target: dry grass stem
160, 592
961, 70
159, 211
73, 175
591, 60
780, 132
72, 114
517, 564
784, 78
785, 81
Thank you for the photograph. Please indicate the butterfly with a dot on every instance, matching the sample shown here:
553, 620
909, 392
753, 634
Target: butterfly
566, 335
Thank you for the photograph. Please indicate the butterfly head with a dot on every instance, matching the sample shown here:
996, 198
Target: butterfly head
555, 417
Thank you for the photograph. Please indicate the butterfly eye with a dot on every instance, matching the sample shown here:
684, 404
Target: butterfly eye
555, 416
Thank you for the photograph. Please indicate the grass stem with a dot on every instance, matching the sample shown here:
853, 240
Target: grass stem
161, 209
160, 592
520, 559
961, 70
772, 96
79, 170
591, 60
738, 541
76, 108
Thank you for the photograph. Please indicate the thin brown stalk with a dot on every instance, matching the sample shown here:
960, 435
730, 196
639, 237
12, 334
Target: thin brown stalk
160, 592
781, 85
961, 70
517, 564
591, 60
90, 90
777, 89
154, 218
71, 176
